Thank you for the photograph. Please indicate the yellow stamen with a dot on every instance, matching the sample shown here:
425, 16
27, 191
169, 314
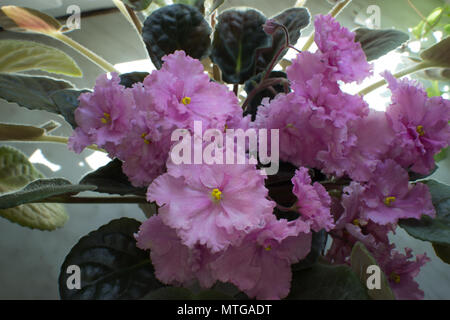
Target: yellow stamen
395, 277
186, 100
389, 200
268, 248
356, 222
106, 118
225, 128
420, 131
145, 140
216, 194
290, 126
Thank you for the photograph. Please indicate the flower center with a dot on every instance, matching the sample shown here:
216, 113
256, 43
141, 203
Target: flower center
268, 248
420, 131
394, 277
216, 194
389, 201
106, 118
186, 100
356, 222
145, 140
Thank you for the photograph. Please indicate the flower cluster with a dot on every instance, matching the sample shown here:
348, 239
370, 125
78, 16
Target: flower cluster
216, 222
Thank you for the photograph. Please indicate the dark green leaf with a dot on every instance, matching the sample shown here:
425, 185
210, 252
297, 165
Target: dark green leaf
67, 101
319, 240
442, 251
435, 230
176, 27
111, 265
377, 43
111, 179
138, 5
31, 92
237, 38
294, 19
41, 189
361, 259
327, 282
169, 293
128, 79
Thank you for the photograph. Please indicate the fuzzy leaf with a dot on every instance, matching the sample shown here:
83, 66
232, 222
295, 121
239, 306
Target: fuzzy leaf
19, 19
377, 43
21, 55
31, 92
176, 27
361, 259
19, 132
66, 102
111, 179
438, 54
111, 265
238, 36
15, 172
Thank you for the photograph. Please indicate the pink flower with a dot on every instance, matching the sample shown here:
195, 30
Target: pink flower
339, 48
183, 92
261, 265
174, 262
401, 273
389, 196
313, 201
420, 124
212, 205
103, 116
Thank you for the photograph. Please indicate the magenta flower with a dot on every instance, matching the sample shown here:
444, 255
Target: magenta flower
389, 196
261, 265
339, 49
212, 205
103, 116
183, 92
313, 201
420, 124
401, 273
174, 262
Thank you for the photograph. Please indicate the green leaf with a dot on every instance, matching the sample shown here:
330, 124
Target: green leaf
215, 4
377, 43
361, 259
447, 28
138, 5
169, 293
21, 55
442, 251
111, 179
176, 27
31, 92
111, 265
15, 172
66, 101
327, 282
425, 26
435, 230
438, 54
41, 189
19, 132
237, 38
20, 19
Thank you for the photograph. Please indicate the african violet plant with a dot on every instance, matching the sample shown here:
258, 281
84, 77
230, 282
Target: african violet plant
348, 174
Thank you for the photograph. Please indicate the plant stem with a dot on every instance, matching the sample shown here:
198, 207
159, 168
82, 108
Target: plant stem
129, 14
404, 72
58, 139
85, 200
86, 52
334, 12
